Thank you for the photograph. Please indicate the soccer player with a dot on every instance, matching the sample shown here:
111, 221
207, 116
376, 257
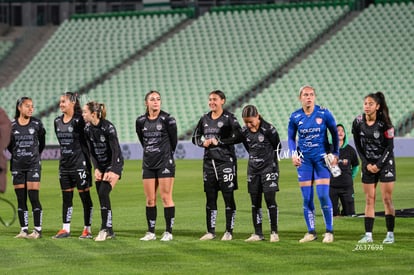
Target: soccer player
262, 142
107, 159
342, 187
218, 131
74, 164
374, 140
26, 145
5, 130
157, 132
311, 123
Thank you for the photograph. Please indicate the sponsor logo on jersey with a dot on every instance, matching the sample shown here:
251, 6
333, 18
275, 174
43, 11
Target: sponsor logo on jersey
16, 132
31, 130
261, 138
389, 133
318, 120
227, 170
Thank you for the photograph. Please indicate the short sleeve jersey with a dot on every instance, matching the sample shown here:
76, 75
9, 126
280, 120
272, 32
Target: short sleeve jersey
158, 138
73, 148
26, 145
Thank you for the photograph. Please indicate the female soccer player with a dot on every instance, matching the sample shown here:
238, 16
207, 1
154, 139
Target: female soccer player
26, 145
218, 131
262, 142
342, 187
107, 159
74, 164
157, 132
311, 123
374, 140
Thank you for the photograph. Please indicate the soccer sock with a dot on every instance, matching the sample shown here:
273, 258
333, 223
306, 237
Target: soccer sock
106, 213
257, 215
151, 212
37, 208
211, 211
326, 205
308, 208
369, 224
67, 209
230, 210
169, 214
22, 211
272, 210
390, 222
87, 207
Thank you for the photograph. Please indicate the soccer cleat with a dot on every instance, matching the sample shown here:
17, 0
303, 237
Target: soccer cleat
35, 235
328, 237
167, 236
308, 238
388, 240
22, 235
62, 234
274, 237
227, 236
85, 234
149, 236
208, 236
366, 239
255, 238
103, 235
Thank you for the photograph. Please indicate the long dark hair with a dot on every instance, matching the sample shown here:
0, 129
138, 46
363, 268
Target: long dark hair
148, 94
382, 112
18, 104
98, 108
74, 97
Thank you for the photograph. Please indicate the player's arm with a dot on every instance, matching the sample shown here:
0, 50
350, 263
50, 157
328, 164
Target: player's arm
138, 130
389, 147
292, 130
41, 138
357, 141
117, 160
198, 134
331, 124
235, 135
172, 132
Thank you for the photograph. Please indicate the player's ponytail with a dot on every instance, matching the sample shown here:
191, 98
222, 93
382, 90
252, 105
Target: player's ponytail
383, 109
98, 108
19, 103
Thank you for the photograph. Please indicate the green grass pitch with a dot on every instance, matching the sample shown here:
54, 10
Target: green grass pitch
186, 254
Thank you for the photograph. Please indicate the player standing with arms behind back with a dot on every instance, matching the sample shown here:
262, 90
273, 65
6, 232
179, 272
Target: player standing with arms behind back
374, 140
74, 164
262, 142
107, 159
26, 145
218, 131
311, 123
157, 132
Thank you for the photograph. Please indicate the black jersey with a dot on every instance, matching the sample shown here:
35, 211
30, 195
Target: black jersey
158, 138
104, 148
346, 161
26, 145
226, 129
262, 146
375, 143
73, 149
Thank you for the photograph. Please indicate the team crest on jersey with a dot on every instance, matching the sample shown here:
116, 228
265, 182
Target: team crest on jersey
70, 129
376, 134
159, 127
102, 138
260, 138
31, 130
220, 124
318, 120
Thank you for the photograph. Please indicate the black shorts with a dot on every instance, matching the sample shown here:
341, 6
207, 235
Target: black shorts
21, 177
219, 175
386, 174
81, 179
167, 171
263, 182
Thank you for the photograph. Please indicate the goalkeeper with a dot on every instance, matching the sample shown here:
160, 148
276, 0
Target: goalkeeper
311, 123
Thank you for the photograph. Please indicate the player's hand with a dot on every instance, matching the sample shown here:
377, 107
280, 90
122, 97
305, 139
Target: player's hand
214, 141
207, 143
98, 175
296, 161
111, 177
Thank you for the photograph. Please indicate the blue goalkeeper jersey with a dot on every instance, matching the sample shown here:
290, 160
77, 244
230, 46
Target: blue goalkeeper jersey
312, 132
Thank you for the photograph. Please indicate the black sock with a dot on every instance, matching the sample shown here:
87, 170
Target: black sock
106, 213
151, 212
67, 206
87, 207
22, 210
169, 215
390, 222
369, 224
36, 206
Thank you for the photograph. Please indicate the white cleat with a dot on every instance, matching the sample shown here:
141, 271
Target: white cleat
328, 237
208, 236
227, 236
149, 236
308, 238
274, 237
254, 238
166, 237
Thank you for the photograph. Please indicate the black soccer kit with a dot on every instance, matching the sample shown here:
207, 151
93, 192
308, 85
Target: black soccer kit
342, 187
74, 166
263, 172
26, 146
219, 164
158, 138
106, 156
375, 145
